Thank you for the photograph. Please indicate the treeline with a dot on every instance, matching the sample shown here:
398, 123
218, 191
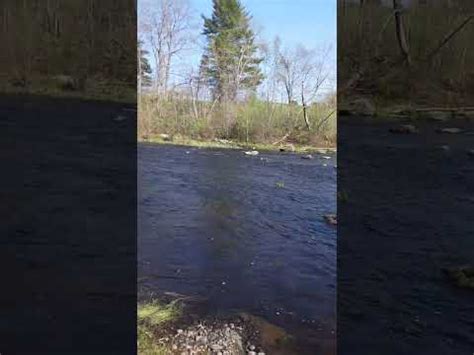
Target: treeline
88, 41
415, 53
242, 88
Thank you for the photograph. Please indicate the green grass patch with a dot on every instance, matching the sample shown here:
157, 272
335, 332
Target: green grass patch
150, 317
155, 313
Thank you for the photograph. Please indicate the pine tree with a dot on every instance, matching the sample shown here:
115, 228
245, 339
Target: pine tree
230, 62
144, 69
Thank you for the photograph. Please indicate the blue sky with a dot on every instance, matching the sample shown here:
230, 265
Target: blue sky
311, 23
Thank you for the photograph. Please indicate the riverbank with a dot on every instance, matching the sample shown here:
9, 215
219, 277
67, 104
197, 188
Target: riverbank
171, 328
229, 144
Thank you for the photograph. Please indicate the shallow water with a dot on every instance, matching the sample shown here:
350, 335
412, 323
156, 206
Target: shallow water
244, 233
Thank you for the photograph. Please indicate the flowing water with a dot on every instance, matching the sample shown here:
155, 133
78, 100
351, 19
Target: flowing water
243, 233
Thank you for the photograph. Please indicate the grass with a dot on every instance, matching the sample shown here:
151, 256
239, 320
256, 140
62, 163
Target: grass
250, 123
370, 45
97, 90
150, 317
200, 143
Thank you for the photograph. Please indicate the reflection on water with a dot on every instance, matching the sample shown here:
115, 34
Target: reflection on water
216, 225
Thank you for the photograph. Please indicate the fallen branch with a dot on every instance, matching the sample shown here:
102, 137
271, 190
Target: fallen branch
325, 119
282, 139
448, 38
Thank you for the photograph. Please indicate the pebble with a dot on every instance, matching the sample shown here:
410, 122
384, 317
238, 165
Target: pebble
308, 156
216, 347
252, 347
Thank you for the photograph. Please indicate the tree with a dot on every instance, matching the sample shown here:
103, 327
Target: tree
168, 25
302, 71
144, 71
400, 30
230, 62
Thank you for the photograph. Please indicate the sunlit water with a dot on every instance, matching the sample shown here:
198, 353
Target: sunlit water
243, 233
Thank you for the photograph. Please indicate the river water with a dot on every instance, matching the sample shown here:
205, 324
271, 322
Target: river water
243, 233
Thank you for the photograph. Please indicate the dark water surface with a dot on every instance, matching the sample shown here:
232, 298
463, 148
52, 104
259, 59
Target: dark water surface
244, 233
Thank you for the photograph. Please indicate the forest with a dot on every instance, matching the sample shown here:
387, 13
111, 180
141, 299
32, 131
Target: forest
232, 85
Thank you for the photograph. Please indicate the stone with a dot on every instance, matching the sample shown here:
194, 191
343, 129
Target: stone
470, 152
251, 152
438, 116
120, 118
450, 130
331, 219
308, 156
165, 137
461, 276
404, 129
216, 347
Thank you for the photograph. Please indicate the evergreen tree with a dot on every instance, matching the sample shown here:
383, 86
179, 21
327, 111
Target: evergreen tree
145, 70
230, 62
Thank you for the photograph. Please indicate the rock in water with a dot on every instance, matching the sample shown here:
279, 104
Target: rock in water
461, 276
120, 118
308, 156
331, 219
251, 152
404, 129
451, 130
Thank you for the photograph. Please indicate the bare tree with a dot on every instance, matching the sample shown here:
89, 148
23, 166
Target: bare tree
304, 70
167, 24
400, 29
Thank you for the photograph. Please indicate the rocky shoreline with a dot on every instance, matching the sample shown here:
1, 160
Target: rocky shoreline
242, 334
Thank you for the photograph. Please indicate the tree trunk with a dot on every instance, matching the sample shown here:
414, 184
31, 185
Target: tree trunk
305, 113
400, 29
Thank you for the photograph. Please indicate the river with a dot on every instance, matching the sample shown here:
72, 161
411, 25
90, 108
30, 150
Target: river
244, 233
